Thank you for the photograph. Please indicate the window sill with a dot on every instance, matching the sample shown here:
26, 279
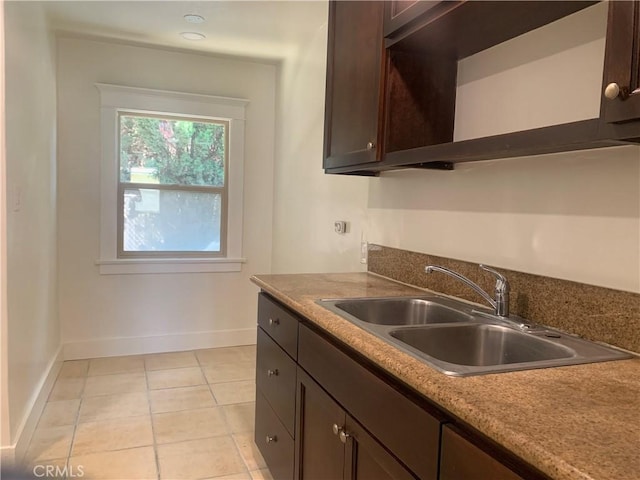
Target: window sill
169, 265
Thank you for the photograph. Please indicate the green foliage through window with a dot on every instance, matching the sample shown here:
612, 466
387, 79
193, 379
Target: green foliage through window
172, 152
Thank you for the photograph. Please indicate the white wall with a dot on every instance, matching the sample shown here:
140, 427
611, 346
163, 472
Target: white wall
33, 327
307, 202
573, 216
117, 314
548, 76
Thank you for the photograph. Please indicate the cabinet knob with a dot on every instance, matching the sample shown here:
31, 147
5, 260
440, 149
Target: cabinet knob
336, 429
344, 436
371, 146
272, 373
612, 90
272, 438
273, 322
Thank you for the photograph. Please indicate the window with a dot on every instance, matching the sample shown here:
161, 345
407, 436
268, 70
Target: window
171, 188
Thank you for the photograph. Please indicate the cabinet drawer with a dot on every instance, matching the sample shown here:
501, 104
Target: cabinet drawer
276, 379
273, 441
462, 460
405, 428
279, 323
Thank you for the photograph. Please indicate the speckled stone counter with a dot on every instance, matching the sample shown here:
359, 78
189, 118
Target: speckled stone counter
577, 422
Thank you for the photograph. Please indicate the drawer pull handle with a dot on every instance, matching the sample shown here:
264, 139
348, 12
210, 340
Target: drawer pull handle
272, 373
272, 438
273, 322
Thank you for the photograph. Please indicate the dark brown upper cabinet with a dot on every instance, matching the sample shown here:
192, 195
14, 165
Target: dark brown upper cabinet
415, 110
355, 46
621, 85
401, 13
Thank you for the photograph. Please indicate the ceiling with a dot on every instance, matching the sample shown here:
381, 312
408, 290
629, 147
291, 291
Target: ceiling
267, 30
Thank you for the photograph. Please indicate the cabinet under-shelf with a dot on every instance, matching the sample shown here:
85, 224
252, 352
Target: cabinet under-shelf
572, 136
466, 27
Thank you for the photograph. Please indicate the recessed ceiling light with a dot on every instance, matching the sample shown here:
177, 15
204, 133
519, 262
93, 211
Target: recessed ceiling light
192, 36
193, 18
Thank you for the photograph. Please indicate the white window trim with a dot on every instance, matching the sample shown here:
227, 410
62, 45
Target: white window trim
116, 97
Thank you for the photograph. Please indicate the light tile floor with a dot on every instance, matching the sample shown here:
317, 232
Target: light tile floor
167, 416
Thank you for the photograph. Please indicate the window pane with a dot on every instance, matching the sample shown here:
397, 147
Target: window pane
171, 220
170, 151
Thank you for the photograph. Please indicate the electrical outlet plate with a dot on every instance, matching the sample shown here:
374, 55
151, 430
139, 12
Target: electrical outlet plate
340, 226
364, 252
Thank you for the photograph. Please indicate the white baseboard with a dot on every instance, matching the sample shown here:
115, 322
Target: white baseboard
37, 403
111, 347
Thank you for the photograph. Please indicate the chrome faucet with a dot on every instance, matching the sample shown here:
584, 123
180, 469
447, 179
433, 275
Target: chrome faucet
501, 302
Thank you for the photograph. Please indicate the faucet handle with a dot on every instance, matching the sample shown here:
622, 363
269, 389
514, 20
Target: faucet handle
502, 292
502, 283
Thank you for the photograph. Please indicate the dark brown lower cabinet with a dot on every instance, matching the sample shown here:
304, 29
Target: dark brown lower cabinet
276, 379
320, 453
276, 367
460, 459
325, 413
331, 445
368, 460
410, 430
273, 440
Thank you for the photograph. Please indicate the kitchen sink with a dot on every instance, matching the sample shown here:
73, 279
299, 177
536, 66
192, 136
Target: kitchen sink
480, 345
402, 311
461, 339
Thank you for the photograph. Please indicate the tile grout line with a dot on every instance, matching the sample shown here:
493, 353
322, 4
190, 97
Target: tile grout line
74, 424
244, 460
77, 421
206, 380
153, 430
224, 417
98, 420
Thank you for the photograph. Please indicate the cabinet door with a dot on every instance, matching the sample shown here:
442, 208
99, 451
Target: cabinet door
320, 454
622, 63
353, 83
399, 13
367, 459
387, 411
333, 446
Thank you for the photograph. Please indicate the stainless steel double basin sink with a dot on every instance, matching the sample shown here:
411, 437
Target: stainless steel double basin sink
460, 340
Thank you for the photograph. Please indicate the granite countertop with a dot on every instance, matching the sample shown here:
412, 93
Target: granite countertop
577, 422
